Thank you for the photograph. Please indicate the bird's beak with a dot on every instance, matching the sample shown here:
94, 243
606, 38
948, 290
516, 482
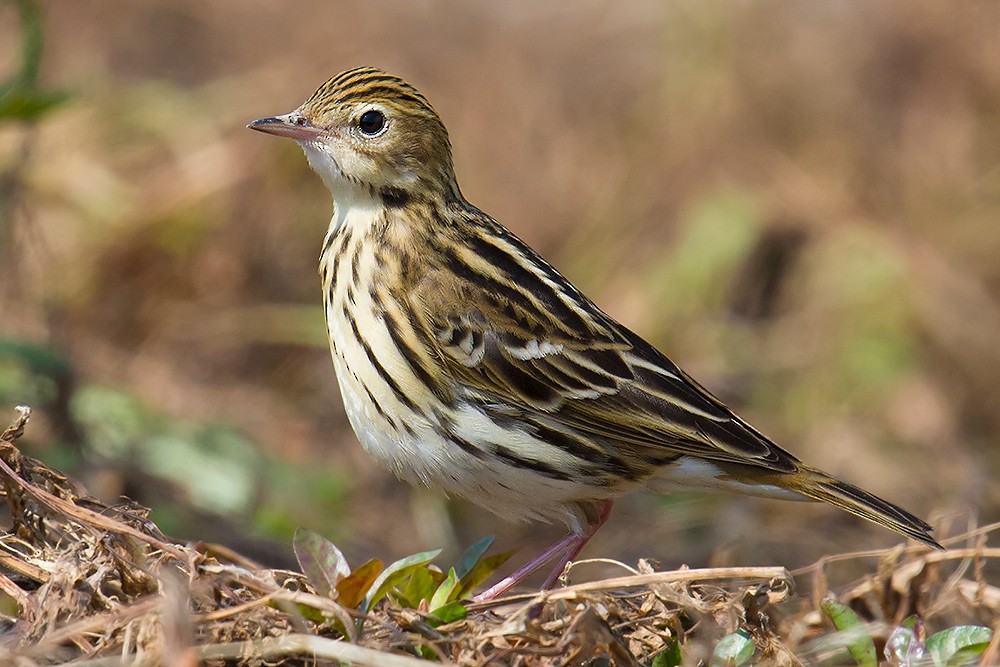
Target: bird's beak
292, 125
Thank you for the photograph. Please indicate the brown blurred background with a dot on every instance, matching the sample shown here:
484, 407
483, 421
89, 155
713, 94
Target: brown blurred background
799, 202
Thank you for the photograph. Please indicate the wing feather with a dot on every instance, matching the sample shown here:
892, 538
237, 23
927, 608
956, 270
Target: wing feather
597, 379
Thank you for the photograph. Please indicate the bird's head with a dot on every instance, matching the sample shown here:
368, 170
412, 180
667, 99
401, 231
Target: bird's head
369, 133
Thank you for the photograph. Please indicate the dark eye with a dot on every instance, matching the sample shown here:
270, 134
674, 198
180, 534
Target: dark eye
371, 122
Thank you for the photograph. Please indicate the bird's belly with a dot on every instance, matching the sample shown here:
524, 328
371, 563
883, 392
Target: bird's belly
416, 444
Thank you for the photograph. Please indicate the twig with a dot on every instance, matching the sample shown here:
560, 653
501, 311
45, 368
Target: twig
289, 645
701, 574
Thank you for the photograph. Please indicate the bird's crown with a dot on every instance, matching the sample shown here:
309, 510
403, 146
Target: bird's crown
380, 132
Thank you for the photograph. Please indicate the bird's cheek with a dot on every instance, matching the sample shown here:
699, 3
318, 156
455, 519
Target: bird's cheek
358, 166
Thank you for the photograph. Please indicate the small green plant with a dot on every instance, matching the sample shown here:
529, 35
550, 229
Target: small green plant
852, 631
959, 645
733, 650
906, 646
411, 582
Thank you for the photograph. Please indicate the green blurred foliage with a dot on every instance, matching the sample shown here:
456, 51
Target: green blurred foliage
20, 97
28, 373
210, 467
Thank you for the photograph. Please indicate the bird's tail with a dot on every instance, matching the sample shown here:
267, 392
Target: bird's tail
817, 485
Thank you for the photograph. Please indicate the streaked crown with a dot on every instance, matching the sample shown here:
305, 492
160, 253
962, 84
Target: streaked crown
380, 132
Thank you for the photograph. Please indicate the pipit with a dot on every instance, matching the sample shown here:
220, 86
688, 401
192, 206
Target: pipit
469, 364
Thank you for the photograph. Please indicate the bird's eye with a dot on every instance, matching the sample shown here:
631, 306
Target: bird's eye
371, 122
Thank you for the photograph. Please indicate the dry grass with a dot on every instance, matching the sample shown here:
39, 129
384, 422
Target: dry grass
94, 584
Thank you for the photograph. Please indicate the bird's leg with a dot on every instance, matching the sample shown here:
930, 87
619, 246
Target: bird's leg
566, 548
576, 546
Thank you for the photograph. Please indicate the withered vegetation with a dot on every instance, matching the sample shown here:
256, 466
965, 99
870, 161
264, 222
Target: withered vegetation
88, 583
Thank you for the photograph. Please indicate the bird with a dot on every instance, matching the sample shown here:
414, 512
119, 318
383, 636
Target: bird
469, 364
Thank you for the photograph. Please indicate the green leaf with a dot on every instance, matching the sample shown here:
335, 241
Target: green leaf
421, 586
733, 650
320, 560
482, 571
333, 616
443, 594
352, 588
453, 611
311, 613
856, 636
958, 645
394, 574
472, 555
669, 658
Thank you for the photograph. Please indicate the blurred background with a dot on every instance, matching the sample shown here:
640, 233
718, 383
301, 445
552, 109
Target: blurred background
798, 202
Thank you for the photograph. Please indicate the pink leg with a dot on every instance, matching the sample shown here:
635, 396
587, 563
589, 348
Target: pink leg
569, 546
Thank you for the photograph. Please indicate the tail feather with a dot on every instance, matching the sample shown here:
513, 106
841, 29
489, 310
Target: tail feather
819, 486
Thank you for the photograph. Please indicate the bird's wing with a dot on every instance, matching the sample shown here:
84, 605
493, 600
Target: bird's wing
517, 337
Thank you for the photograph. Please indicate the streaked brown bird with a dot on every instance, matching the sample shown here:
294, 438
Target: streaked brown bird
469, 364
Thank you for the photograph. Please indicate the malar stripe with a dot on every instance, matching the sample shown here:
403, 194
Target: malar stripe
380, 369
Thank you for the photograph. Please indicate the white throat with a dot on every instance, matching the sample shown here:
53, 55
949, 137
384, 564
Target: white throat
352, 203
